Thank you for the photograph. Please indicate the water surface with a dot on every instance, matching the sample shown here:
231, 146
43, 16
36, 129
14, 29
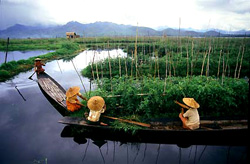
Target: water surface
18, 55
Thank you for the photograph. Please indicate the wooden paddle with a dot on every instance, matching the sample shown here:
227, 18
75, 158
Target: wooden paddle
128, 121
32, 75
182, 105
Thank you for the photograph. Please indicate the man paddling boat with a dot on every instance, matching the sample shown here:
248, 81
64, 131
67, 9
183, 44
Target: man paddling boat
39, 66
191, 118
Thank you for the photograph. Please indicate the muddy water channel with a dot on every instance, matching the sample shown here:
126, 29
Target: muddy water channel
30, 133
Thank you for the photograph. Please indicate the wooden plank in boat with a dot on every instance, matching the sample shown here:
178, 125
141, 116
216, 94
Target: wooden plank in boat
53, 90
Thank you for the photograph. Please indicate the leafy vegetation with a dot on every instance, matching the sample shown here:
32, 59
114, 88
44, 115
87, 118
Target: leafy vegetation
128, 128
153, 98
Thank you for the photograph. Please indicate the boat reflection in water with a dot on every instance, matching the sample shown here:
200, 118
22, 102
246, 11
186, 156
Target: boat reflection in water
111, 149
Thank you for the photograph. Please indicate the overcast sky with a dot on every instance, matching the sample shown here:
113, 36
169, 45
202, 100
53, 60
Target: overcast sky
229, 15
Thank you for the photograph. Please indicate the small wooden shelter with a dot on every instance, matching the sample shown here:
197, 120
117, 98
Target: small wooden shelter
71, 35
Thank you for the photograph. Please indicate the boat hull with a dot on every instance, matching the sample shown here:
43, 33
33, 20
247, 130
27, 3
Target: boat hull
54, 92
152, 135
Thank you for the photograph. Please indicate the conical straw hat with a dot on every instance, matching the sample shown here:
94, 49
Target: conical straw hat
96, 103
72, 91
37, 59
191, 103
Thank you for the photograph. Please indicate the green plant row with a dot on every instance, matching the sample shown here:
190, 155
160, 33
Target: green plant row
153, 98
182, 56
31, 44
176, 66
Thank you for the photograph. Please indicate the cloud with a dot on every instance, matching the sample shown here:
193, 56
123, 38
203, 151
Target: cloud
26, 12
226, 14
197, 14
235, 6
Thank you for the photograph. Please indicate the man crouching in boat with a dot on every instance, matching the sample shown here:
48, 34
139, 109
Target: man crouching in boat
190, 119
73, 104
96, 105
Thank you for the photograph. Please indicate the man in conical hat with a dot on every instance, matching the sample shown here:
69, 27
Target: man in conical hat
73, 104
191, 118
96, 105
38, 66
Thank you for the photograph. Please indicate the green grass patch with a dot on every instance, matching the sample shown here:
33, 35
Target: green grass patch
64, 49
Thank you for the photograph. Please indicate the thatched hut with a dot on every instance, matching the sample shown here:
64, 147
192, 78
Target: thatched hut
71, 35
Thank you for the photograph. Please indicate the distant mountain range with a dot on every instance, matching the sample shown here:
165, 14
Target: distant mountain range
106, 29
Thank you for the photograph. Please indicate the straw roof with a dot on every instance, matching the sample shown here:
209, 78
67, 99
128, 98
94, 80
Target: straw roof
70, 33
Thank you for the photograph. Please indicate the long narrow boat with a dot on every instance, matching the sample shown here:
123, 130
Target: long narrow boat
54, 92
233, 131
211, 132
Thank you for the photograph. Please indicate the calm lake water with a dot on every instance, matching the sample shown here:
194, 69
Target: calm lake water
30, 133
18, 55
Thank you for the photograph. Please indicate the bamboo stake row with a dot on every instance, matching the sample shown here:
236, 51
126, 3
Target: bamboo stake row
171, 61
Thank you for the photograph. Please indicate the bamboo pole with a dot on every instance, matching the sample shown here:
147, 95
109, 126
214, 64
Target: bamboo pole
170, 63
157, 63
102, 69
59, 66
132, 62
208, 56
154, 53
180, 37
120, 70
97, 72
223, 73
187, 61
20, 93
241, 61
128, 121
226, 63
8, 41
126, 68
203, 63
139, 94
192, 54
218, 73
79, 76
166, 73
119, 61
236, 67
110, 71
136, 52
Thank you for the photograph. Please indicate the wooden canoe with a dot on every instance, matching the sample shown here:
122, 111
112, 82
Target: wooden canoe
219, 132
54, 92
